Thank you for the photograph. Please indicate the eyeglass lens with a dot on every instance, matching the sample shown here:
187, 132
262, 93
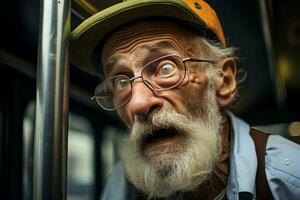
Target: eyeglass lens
160, 74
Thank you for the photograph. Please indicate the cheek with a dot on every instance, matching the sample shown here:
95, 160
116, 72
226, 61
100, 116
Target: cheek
198, 78
186, 98
176, 101
179, 99
194, 96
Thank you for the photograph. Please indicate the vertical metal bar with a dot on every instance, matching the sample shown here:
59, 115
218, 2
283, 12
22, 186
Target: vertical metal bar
265, 7
52, 102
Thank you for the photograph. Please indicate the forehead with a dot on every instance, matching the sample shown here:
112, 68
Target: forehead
150, 34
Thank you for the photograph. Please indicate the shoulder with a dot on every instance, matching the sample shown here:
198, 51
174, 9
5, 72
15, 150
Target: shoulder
283, 154
282, 161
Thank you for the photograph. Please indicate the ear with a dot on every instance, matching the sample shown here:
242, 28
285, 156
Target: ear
226, 85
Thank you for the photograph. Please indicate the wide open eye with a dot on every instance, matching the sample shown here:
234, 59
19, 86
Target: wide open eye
121, 83
165, 69
164, 73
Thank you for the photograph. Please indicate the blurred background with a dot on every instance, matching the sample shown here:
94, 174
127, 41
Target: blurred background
266, 33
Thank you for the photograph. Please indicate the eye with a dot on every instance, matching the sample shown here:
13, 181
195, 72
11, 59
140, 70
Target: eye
121, 83
165, 69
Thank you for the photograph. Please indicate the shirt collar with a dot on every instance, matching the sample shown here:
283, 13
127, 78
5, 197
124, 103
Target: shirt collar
243, 161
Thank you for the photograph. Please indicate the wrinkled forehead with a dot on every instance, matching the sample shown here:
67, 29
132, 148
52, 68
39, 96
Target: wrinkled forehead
146, 31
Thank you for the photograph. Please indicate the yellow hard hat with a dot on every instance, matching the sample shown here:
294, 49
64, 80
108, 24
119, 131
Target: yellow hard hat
87, 38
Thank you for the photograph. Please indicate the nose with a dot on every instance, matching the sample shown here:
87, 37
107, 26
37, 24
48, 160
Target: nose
143, 101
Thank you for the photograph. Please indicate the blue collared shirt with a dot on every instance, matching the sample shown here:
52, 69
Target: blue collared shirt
282, 163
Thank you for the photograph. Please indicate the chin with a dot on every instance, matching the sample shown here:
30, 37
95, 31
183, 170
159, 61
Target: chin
163, 158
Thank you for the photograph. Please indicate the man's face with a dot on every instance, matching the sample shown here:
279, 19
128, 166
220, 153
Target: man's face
174, 141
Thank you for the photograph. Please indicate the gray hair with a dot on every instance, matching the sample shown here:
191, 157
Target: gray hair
216, 51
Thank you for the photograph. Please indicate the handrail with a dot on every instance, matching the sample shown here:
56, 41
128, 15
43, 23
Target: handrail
52, 102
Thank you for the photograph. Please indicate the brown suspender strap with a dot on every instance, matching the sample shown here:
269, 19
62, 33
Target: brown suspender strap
262, 188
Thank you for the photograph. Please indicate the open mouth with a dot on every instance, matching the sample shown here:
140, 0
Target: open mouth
160, 134
163, 141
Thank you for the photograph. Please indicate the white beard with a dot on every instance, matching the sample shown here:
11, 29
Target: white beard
184, 166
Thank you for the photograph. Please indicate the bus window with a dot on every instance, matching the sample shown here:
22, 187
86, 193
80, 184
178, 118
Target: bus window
28, 144
110, 149
81, 177
81, 172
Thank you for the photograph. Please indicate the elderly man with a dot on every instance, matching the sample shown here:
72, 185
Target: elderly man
169, 76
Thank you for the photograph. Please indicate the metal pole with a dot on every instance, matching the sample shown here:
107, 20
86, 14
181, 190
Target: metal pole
265, 7
52, 102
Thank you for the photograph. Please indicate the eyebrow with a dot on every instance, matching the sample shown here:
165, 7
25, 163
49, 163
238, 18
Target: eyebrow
112, 62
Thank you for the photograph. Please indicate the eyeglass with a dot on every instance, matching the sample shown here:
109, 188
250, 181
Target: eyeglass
163, 73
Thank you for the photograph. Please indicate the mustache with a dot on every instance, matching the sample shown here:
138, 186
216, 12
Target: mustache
167, 119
